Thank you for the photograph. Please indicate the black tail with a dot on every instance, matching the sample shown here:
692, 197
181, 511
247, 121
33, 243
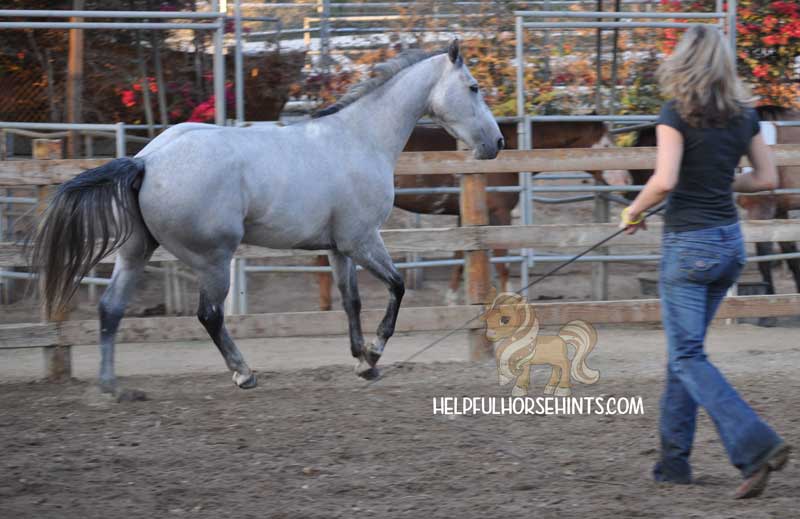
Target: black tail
89, 217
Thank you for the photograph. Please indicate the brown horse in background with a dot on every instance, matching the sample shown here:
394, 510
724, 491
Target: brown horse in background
426, 138
762, 207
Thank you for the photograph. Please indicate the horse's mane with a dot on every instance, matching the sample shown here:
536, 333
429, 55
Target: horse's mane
380, 74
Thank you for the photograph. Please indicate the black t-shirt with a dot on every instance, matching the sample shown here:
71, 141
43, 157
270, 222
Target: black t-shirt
703, 196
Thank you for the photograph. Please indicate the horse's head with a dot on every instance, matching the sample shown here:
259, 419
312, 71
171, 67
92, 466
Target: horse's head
611, 177
457, 105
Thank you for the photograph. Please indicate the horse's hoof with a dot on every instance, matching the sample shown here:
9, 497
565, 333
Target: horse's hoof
370, 374
244, 381
563, 391
367, 371
549, 390
518, 391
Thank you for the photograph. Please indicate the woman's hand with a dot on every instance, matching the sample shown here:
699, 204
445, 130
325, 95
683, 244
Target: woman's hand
631, 220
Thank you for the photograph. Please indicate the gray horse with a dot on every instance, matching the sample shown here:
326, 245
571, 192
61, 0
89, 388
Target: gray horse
200, 190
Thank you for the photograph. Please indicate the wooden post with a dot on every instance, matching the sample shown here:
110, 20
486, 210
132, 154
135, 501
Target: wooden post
474, 212
600, 269
47, 149
74, 80
57, 359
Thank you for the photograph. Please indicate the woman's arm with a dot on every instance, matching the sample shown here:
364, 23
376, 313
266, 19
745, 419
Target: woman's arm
668, 163
764, 176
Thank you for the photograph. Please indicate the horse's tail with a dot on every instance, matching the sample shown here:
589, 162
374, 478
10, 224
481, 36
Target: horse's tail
583, 337
89, 217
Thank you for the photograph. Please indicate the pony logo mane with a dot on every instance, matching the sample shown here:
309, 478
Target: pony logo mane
380, 74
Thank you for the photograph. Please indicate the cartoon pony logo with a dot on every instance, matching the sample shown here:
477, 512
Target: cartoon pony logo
512, 324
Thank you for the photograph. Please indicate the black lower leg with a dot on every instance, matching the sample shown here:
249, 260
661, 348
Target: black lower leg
352, 307
790, 247
212, 318
765, 267
396, 291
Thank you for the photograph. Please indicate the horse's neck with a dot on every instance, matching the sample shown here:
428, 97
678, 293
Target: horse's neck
387, 116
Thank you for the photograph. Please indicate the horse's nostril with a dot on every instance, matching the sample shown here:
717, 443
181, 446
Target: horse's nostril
501, 143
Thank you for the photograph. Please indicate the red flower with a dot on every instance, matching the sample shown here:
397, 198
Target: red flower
786, 8
792, 29
776, 39
204, 112
128, 98
761, 71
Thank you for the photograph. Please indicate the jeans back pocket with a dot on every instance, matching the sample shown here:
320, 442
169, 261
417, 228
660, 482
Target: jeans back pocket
700, 265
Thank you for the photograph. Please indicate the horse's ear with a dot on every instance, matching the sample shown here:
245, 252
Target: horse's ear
454, 51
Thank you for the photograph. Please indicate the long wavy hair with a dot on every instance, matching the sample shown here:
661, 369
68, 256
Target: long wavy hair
701, 77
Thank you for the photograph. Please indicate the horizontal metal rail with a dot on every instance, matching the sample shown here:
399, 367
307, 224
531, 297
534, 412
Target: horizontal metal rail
64, 13
17, 200
593, 118
58, 126
610, 25
27, 275
111, 25
623, 14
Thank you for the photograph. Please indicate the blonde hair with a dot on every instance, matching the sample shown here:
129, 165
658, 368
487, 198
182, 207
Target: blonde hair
701, 77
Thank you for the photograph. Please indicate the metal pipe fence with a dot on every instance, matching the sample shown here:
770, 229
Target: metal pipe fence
609, 25
621, 14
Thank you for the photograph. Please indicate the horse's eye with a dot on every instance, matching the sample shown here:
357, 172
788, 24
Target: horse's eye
504, 319
474, 88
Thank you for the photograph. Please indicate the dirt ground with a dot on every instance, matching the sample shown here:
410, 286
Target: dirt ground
312, 440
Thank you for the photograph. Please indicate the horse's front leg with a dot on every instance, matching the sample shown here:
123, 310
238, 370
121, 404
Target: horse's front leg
523, 382
344, 271
373, 256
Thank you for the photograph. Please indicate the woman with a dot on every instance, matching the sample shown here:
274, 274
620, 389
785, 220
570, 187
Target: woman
702, 132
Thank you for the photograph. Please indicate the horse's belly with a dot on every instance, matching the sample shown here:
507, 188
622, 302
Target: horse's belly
307, 234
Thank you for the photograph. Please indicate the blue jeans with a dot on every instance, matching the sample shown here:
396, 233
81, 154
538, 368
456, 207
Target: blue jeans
697, 269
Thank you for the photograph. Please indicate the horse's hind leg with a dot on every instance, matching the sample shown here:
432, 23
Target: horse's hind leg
451, 296
373, 256
790, 247
765, 267
131, 260
501, 216
214, 284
